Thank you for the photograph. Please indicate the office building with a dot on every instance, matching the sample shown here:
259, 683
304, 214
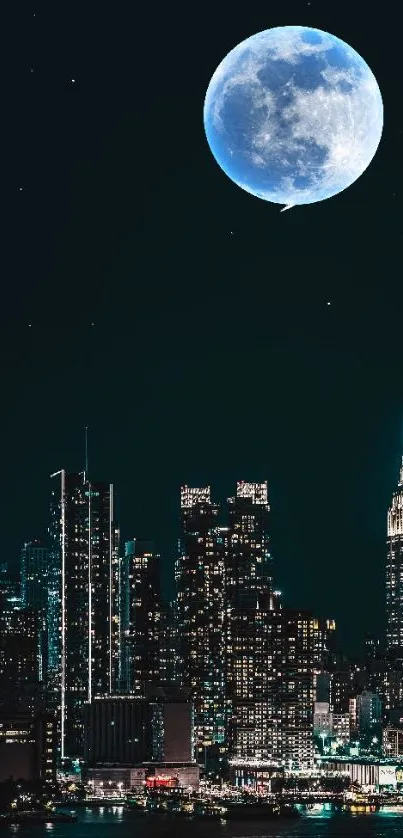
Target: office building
84, 578
172, 721
369, 711
18, 651
34, 595
322, 719
199, 576
117, 730
394, 571
141, 619
271, 687
131, 742
249, 563
28, 744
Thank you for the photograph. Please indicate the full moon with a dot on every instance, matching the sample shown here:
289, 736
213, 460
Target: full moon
293, 115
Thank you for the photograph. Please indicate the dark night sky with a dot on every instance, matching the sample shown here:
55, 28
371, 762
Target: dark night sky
213, 357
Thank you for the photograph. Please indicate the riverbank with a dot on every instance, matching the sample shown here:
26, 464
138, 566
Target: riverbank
36, 817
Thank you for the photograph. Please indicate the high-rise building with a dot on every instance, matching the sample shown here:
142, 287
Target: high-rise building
248, 587
18, 654
141, 618
271, 686
394, 571
249, 564
34, 594
342, 686
199, 576
323, 633
27, 744
84, 591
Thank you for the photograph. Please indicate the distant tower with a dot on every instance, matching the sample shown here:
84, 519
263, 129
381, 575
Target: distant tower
394, 571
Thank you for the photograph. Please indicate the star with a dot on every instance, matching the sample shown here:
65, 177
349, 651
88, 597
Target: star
72, 81
328, 303
31, 69
29, 325
21, 188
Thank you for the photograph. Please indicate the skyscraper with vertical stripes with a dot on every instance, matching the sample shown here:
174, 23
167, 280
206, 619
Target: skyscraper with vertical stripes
394, 571
84, 593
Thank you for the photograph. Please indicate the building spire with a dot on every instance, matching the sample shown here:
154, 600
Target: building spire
401, 474
86, 451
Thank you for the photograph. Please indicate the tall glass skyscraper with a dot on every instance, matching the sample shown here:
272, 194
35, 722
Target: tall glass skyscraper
394, 571
199, 575
84, 592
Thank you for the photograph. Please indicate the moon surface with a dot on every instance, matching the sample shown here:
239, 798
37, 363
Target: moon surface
293, 115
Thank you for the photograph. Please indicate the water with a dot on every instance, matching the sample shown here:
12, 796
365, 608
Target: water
117, 823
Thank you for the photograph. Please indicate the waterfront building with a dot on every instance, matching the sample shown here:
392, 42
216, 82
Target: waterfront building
271, 687
28, 744
117, 729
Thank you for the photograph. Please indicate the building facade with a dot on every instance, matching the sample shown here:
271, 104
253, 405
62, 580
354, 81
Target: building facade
271, 687
117, 730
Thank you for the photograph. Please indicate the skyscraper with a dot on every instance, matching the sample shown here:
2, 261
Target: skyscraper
271, 686
248, 584
84, 588
249, 565
141, 617
394, 571
18, 653
199, 575
34, 594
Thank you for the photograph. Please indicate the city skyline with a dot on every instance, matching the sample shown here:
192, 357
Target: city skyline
168, 558
201, 554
